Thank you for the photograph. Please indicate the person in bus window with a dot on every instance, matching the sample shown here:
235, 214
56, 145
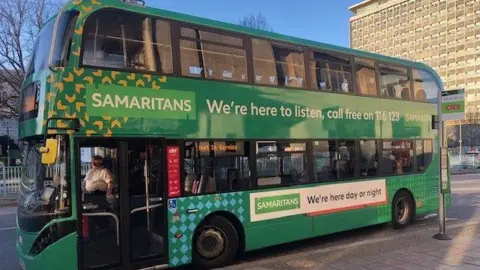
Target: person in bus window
99, 179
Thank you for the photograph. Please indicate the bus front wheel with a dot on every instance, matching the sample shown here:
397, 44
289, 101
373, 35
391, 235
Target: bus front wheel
402, 210
215, 243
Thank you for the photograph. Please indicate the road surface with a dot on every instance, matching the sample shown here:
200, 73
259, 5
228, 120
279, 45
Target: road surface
466, 206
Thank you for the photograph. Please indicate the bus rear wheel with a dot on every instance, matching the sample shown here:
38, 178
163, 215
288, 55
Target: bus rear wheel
402, 210
215, 243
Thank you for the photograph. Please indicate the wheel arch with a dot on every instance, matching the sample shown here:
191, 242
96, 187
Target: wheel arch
237, 224
410, 193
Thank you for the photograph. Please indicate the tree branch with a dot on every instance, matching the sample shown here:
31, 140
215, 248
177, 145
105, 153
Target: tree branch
20, 22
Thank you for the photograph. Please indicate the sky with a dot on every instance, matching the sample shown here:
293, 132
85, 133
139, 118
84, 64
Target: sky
319, 20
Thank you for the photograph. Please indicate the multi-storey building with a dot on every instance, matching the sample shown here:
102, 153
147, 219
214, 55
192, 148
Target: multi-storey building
444, 34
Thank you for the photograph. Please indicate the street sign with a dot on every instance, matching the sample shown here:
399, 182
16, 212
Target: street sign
444, 169
453, 105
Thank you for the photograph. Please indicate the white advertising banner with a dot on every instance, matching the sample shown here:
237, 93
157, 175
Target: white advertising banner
317, 200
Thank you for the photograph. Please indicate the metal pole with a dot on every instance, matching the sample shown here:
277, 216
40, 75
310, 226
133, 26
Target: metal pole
8, 144
460, 141
441, 235
4, 176
146, 171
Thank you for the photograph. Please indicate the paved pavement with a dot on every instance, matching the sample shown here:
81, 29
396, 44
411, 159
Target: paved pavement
377, 247
410, 249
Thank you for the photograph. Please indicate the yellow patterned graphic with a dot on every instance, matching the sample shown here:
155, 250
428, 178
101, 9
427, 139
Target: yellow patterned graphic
140, 83
71, 99
106, 80
59, 86
123, 83
66, 96
69, 78
79, 87
87, 9
98, 73
79, 71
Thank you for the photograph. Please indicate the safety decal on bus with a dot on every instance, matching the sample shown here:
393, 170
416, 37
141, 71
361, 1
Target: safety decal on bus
172, 204
317, 200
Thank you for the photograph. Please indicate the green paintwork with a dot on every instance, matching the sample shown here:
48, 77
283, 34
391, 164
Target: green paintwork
61, 255
67, 92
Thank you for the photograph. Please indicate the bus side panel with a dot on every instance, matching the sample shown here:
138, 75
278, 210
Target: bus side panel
349, 220
187, 213
424, 189
278, 231
60, 255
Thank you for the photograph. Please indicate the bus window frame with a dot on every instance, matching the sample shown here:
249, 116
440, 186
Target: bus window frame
410, 79
252, 183
175, 26
173, 41
247, 47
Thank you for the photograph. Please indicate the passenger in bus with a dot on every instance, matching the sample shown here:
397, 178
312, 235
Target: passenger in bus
99, 180
398, 164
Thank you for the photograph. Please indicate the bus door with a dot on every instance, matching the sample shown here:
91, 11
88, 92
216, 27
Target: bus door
123, 225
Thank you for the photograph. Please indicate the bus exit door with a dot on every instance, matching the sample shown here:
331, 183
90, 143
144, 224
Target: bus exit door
126, 230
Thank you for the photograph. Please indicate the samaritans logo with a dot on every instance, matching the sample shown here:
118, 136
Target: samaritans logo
277, 203
144, 103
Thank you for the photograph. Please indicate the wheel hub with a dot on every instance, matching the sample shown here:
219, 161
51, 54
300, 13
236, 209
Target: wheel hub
210, 243
402, 210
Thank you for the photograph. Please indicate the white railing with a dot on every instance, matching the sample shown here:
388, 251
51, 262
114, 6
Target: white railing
10, 178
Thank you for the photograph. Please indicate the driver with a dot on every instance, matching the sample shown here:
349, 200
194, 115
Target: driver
99, 179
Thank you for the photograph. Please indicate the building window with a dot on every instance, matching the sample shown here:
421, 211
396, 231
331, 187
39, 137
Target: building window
278, 64
212, 56
281, 163
331, 72
366, 77
334, 160
425, 87
394, 82
216, 166
397, 157
127, 41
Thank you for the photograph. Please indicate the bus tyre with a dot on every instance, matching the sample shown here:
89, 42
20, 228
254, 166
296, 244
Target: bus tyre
402, 210
215, 243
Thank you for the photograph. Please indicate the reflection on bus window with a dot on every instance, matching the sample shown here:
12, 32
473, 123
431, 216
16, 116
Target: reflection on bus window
368, 158
425, 87
334, 160
366, 78
126, 41
281, 163
331, 72
216, 166
276, 64
394, 82
212, 56
423, 151
397, 157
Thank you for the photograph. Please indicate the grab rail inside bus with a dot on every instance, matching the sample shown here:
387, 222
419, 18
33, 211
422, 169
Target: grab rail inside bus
102, 214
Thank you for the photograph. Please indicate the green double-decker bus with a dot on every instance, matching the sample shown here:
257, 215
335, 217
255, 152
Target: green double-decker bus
155, 139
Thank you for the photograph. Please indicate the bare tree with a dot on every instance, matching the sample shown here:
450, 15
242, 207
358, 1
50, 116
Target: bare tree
258, 21
20, 22
471, 128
